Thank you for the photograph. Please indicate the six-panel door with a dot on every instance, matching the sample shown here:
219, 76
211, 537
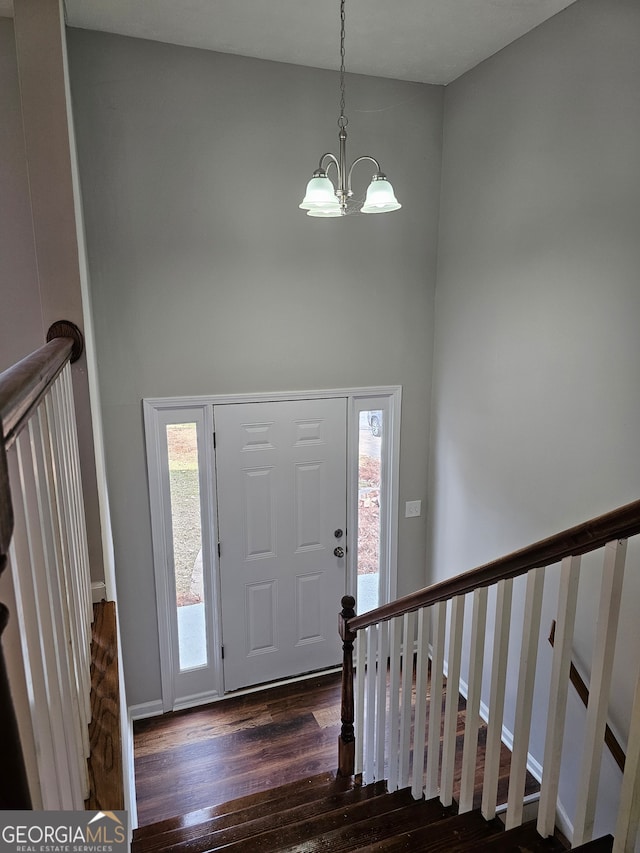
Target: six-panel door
281, 486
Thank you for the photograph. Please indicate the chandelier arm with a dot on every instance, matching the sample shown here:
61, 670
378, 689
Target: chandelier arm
359, 160
332, 159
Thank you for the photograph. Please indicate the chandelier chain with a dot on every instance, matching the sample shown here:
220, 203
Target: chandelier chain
342, 121
324, 198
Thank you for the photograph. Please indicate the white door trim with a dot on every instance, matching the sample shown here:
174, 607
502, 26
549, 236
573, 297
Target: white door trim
393, 391
154, 405
160, 525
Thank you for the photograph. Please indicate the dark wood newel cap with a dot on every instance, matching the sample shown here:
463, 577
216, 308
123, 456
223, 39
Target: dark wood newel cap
67, 329
348, 602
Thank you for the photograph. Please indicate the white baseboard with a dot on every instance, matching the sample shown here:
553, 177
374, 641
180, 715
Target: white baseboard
129, 764
563, 823
146, 709
530, 803
98, 592
195, 700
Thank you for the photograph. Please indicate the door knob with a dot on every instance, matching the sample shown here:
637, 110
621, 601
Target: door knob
338, 552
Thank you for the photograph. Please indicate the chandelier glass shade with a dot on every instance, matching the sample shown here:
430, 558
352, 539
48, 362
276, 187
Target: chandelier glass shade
323, 198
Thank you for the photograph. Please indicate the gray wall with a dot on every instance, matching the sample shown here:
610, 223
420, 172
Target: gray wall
21, 324
21, 328
39, 271
206, 278
536, 406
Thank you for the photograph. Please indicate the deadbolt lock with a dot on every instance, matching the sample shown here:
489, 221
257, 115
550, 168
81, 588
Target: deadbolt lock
338, 533
338, 552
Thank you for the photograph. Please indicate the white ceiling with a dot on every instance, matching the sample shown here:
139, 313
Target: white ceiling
429, 41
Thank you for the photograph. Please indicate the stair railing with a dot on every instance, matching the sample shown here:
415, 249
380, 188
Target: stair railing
43, 542
389, 733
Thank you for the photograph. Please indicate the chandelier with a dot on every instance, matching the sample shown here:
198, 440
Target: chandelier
324, 199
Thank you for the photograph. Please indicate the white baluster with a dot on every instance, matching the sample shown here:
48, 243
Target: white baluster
84, 581
70, 431
73, 508
37, 566
75, 734
60, 440
395, 657
381, 699
370, 702
504, 592
75, 623
59, 632
77, 619
409, 623
472, 716
524, 699
27, 616
359, 719
419, 724
452, 701
558, 689
439, 616
598, 705
629, 809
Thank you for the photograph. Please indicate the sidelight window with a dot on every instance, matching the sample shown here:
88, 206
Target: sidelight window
186, 528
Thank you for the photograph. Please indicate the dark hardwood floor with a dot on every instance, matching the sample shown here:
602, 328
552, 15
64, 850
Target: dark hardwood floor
193, 759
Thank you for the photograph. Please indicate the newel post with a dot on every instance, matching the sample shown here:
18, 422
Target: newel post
347, 740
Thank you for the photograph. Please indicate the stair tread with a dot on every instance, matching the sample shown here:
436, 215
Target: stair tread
598, 845
379, 816
299, 790
261, 817
524, 837
349, 832
328, 814
443, 835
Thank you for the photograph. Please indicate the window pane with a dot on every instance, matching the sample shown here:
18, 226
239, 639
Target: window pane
184, 484
369, 459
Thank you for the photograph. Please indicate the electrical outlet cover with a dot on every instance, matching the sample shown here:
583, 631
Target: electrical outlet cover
412, 509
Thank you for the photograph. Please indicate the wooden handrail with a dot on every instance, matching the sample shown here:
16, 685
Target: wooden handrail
24, 385
618, 524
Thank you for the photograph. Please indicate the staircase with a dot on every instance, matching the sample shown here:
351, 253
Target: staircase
400, 734
330, 814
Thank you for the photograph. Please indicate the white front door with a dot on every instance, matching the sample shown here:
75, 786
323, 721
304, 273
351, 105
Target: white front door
281, 487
